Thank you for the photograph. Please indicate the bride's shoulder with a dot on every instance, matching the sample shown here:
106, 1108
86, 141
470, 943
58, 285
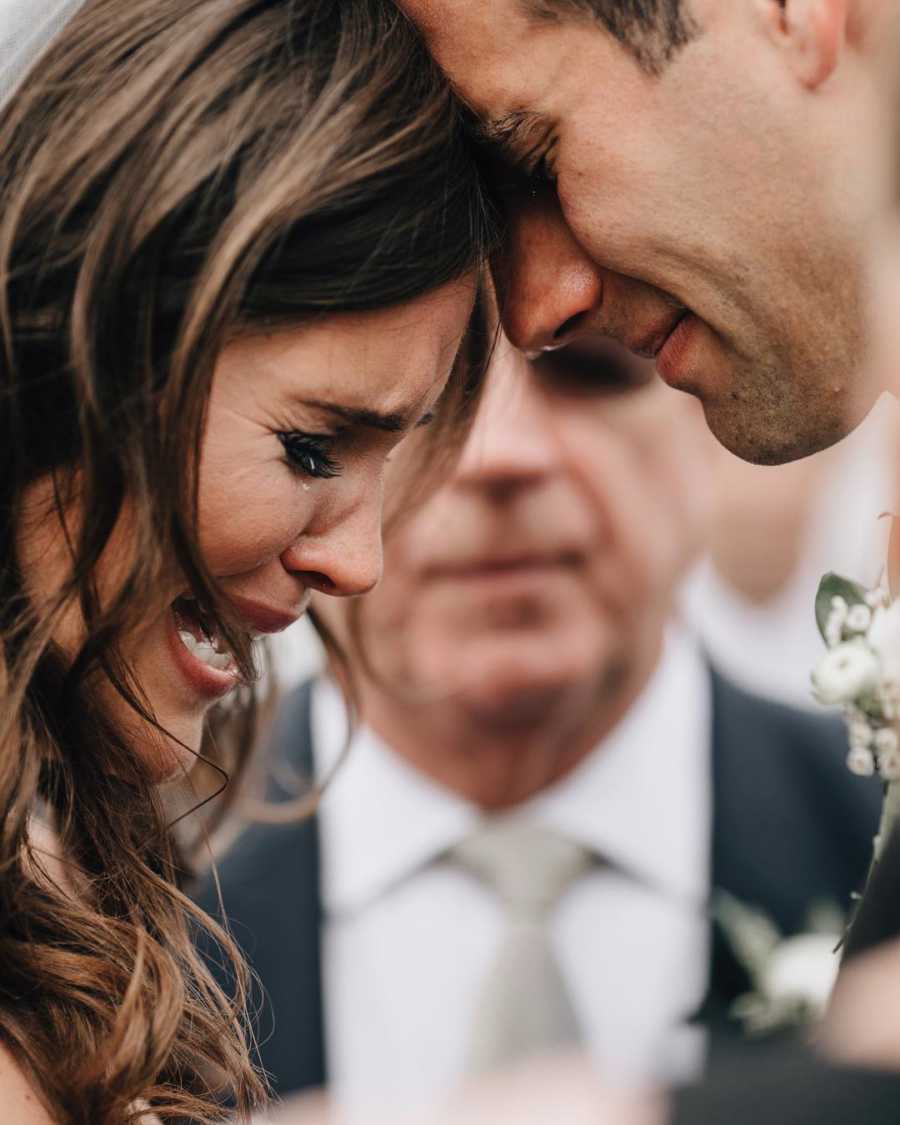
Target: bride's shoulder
21, 1104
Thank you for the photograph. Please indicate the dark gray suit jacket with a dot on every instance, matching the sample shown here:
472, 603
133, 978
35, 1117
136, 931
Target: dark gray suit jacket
794, 1087
791, 826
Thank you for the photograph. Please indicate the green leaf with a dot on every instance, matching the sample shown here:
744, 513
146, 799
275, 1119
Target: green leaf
834, 586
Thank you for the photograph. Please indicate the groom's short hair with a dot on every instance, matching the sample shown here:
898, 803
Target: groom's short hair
653, 30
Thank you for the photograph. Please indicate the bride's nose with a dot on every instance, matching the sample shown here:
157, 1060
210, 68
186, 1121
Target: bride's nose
343, 557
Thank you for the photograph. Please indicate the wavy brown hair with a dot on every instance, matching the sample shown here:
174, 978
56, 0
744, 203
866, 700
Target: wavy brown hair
172, 173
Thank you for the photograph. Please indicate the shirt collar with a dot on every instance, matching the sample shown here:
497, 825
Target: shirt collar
642, 800
380, 819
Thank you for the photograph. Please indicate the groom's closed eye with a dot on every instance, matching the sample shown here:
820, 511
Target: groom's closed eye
592, 367
523, 141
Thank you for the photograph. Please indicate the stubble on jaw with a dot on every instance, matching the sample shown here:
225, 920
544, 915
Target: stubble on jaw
807, 390
768, 417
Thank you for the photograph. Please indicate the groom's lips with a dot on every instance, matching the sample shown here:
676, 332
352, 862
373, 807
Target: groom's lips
651, 342
667, 343
672, 357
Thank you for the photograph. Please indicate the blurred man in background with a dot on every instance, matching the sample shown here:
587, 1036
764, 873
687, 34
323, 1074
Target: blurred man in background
549, 783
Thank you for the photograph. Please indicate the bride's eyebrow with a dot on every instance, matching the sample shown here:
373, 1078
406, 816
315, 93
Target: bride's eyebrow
391, 423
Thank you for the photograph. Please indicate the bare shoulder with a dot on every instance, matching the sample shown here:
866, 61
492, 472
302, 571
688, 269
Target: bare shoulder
20, 1103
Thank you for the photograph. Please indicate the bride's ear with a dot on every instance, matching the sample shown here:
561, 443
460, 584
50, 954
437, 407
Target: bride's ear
810, 33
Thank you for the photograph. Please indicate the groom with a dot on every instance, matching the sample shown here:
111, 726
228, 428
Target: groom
697, 179
700, 180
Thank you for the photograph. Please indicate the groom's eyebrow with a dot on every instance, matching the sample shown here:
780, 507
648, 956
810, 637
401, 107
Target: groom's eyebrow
558, 11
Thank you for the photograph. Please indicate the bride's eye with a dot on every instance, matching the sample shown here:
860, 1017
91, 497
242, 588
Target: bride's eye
310, 454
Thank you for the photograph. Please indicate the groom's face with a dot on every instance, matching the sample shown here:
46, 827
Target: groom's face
711, 214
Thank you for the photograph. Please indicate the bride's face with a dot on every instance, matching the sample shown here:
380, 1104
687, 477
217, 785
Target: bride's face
300, 427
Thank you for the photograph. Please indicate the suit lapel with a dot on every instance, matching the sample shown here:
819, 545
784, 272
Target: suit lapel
790, 826
728, 978
271, 889
877, 916
296, 1051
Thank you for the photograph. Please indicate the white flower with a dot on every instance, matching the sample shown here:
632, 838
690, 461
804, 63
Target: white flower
861, 735
845, 673
861, 762
887, 694
855, 716
881, 597
887, 747
834, 626
859, 619
802, 971
889, 764
884, 638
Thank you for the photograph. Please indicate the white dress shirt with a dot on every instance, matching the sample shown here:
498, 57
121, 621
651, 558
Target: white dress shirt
407, 939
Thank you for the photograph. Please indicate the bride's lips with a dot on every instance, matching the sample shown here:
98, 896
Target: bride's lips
262, 618
672, 358
207, 682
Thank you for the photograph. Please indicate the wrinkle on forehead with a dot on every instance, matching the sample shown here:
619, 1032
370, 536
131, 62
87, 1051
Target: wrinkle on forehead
486, 48
477, 48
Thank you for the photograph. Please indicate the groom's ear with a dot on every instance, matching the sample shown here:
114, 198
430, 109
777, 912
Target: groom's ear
811, 33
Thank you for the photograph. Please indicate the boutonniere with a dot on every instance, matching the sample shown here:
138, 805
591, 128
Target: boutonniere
860, 673
792, 976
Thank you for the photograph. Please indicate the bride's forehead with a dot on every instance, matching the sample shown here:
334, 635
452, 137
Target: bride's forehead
385, 361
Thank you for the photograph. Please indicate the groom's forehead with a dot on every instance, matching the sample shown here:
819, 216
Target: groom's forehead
462, 32
502, 60
465, 34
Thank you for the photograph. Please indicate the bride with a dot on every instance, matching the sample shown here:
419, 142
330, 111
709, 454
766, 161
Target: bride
238, 252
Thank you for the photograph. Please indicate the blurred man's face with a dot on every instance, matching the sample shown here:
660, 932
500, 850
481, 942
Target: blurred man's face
549, 561
711, 216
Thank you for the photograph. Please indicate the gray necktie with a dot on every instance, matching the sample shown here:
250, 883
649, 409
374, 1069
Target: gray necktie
523, 1008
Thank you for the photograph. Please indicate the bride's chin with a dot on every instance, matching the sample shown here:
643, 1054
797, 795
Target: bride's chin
165, 751
172, 756
166, 756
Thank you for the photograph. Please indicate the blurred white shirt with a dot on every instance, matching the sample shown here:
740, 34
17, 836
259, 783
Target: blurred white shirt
772, 649
408, 939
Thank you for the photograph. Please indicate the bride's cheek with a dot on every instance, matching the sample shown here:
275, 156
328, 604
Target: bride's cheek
249, 518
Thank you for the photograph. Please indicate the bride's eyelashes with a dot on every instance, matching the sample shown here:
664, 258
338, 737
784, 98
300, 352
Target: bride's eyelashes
310, 454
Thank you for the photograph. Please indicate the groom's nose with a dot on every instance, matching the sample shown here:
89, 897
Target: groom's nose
549, 290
